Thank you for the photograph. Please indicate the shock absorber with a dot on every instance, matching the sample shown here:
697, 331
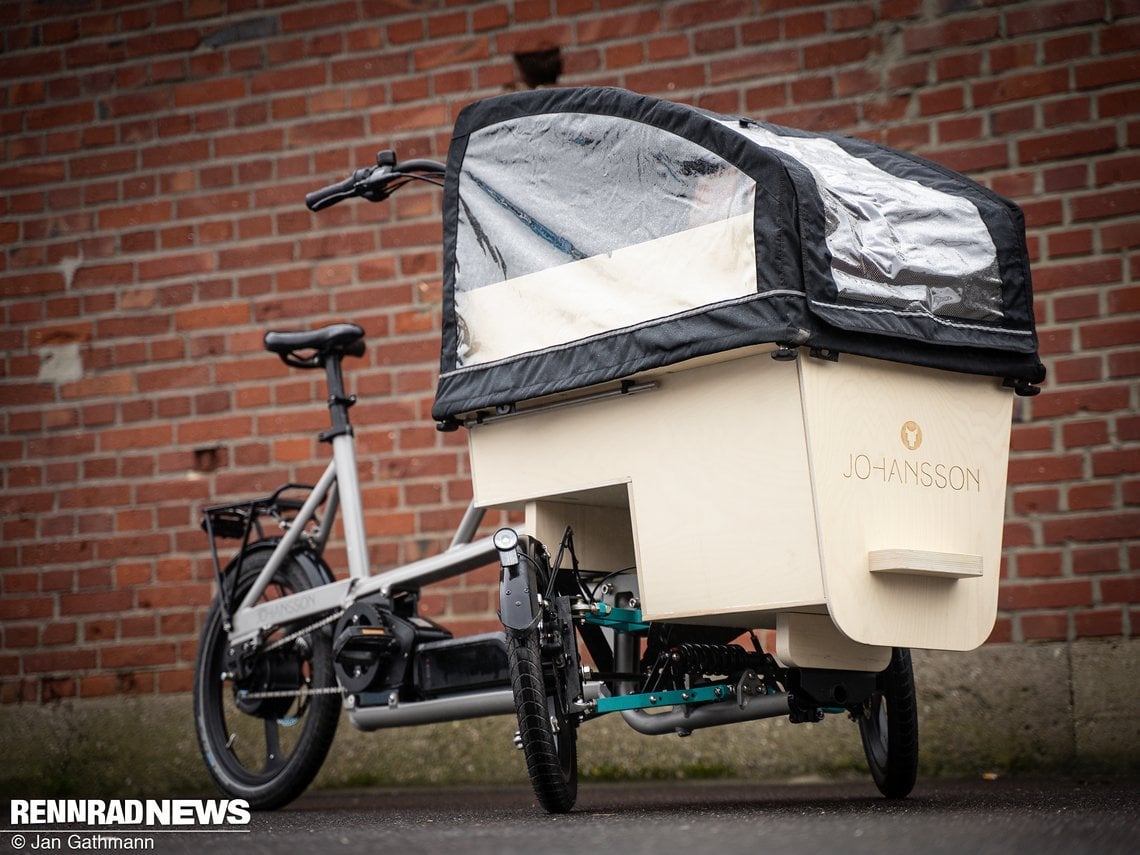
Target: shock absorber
697, 658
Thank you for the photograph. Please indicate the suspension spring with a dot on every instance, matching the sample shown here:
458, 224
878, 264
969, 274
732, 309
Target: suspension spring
694, 657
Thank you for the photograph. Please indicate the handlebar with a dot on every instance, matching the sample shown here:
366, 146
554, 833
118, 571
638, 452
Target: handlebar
376, 183
334, 193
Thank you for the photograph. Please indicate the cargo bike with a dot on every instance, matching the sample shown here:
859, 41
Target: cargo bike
734, 377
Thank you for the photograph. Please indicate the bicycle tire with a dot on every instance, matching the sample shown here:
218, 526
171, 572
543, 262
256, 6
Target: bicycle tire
888, 726
290, 750
551, 755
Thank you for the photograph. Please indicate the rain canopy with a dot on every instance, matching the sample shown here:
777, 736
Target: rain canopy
593, 233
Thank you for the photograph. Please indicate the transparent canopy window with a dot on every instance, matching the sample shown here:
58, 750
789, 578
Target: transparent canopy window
574, 225
893, 241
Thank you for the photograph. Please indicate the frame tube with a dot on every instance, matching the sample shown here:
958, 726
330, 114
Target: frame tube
465, 533
352, 512
473, 705
289, 540
683, 720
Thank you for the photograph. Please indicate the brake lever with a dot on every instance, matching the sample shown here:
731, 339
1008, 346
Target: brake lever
371, 183
346, 189
374, 187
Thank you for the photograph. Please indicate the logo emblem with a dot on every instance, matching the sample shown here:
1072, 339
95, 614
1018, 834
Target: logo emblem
911, 435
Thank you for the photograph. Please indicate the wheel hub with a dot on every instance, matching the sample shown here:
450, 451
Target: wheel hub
269, 683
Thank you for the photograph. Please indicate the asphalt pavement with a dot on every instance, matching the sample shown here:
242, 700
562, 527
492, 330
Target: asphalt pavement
1100, 816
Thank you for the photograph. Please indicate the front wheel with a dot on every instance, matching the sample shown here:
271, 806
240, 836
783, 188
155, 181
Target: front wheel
888, 725
264, 724
548, 734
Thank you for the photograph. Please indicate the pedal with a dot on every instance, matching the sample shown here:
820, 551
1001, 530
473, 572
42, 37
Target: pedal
370, 648
372, 639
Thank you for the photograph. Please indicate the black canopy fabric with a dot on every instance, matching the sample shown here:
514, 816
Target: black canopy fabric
593, 233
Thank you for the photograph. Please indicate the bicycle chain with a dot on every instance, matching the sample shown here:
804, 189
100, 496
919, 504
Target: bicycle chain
285, 693
293, 636
281, 642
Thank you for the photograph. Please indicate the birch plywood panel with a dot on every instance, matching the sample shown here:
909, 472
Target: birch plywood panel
908, 461
813, 641
719, 495
603, 535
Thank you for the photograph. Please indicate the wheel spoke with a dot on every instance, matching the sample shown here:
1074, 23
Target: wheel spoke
273, 758
883, 725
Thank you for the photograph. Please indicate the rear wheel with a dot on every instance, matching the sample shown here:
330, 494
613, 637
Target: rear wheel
547, 732
888, 725
265, 724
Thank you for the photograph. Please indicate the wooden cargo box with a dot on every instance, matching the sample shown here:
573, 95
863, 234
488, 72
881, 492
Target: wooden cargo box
745, 489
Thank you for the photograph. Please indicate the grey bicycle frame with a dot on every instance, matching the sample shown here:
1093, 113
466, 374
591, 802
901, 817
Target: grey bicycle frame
250, 621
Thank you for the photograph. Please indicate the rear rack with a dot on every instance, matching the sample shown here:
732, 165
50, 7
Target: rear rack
238, 521
234, 521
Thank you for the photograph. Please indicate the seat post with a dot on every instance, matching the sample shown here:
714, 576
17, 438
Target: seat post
344, 458
339, 402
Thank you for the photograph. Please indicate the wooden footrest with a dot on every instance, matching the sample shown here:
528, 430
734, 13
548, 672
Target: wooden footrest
917, 562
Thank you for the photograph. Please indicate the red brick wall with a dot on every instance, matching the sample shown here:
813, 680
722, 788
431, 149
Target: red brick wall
155, 158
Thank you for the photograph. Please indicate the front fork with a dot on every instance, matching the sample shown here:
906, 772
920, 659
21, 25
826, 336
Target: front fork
524, 606
519, 604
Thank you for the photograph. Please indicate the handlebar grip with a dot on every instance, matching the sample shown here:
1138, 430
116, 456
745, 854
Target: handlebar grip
422, 166
320, 199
